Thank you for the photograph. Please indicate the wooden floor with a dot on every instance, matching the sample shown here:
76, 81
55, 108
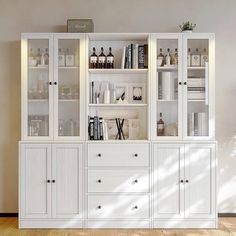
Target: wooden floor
9, 227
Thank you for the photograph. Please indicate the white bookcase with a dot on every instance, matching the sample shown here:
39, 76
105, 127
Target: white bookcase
140, 178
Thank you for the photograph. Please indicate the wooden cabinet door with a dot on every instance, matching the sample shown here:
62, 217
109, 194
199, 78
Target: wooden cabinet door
168, 173
67, 180
35, 172
200, 181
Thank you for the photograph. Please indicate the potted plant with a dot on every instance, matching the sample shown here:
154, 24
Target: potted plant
187, 27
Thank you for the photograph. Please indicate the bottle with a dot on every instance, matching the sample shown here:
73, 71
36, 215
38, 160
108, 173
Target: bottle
93, 60
160, 59
204, 57
160, 126
107, 94
175, 57
70, 58
46, 57
102, 60
110, 60
196, 58
32, 59
189, 58
42, 60
168, 57
38, 57
61, 58
113, 94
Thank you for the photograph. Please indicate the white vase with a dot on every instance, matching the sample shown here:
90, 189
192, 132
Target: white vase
187, 31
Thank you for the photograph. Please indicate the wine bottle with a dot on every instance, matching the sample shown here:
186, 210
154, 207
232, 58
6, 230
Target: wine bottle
204, 57
160, 58
160, 126
168, 57
38, 57
196, 58
46, 57
110, 60
174, 57
189, 57
102, 60
93, 60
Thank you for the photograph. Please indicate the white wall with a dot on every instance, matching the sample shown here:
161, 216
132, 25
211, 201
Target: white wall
18, 16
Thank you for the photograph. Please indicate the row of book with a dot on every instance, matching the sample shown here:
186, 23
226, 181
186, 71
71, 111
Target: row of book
135, 56
197, 124
97, 129
196, 88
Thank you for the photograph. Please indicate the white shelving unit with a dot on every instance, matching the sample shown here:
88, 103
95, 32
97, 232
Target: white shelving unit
157, 180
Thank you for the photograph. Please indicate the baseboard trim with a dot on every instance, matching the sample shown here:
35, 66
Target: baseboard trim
8, 214
226, 214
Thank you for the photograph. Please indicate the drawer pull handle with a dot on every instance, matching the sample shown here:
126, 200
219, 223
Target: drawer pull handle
136, 154
135, 207
99, 154
135, 181
99, 181
99, 207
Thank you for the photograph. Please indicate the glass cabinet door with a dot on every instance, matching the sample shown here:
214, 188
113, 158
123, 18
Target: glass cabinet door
168, 99
38, 77
198, 82
67, 93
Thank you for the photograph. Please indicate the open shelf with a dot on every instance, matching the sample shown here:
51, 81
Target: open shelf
162, 100
38, 67
37, 100
118, 71
196, 67
118, 105
68, 67
167, 68
68, 100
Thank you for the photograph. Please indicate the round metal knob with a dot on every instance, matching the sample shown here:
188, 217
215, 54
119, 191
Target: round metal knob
180, 83
135, 207
186, 181
185, 83
99, 207
135, 181
53, 180
48, 181
55, 83
99, 181
99, 154
136, 154
181, 181
50, 83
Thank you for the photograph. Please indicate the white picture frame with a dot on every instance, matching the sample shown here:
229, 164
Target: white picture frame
121, 88
137, 93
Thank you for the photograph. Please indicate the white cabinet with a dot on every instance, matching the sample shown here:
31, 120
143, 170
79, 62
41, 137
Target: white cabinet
184, 181
51, 181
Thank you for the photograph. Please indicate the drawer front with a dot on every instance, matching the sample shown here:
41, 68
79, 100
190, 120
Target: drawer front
118, 154
115, 181
118, 207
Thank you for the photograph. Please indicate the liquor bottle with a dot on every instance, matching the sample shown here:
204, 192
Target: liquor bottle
110, 60
204, 57
70, 58
32, 59
46, 57
61, 58
189, 58
42, 60
196, 58
102, 60
168, 57
106, 98
176, 57
93, 60
160, 126
160, 59
38, 57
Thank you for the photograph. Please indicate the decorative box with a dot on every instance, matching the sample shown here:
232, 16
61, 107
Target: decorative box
80, 26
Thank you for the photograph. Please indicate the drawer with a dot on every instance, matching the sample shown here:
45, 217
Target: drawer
115, 181
118, 154
118, 207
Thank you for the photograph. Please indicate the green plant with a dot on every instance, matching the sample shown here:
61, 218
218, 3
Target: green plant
187, 26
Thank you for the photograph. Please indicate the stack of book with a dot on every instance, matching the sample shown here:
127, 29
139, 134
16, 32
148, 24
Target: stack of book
196, 88
197, 124
135, 56
96, 128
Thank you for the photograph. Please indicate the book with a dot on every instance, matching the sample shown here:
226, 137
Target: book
123, 58
95, 128
140, 57
191, 124
145, 55
195, 124
91, 128
101, 135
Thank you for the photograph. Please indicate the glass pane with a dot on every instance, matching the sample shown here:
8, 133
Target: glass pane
167, 87
68, 87
197, 82
38, 78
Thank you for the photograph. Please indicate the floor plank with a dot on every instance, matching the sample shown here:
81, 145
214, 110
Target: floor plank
9, 227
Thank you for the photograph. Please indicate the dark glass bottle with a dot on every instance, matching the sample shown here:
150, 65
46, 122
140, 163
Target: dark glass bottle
110, 60
93, 61
102, 60
160, 126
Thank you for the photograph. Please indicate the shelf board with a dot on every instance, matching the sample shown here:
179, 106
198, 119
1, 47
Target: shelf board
196, 67
118, 71
167, 68
38, 67
118, 105
37, 100
68, 100
68, 67
163, 100
196, 100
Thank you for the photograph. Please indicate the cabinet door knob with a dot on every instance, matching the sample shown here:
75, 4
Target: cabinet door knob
136, 181
180, 83
136, 154
54, 181
99, 154
99, 207
50, 83
186, 181
181, 181
55, 83
99, 181
48, 181
185, 83
135, 207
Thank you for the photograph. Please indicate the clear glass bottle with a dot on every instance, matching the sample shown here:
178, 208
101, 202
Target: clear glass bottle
160, 126
101, 60
38, 57
167, 61
70, 58
204, 57
61, 58
46, 57
160, 59
93, 59
196, 58
110, 60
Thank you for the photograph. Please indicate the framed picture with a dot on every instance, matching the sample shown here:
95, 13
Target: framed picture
121, 91
137, 93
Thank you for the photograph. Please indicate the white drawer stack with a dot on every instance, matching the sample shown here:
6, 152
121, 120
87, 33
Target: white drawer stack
118, 182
